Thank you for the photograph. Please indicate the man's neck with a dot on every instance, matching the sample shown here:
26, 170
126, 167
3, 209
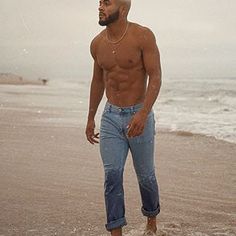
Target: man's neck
116, 29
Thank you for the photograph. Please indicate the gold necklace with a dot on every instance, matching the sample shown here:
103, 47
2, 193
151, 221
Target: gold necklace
115, 42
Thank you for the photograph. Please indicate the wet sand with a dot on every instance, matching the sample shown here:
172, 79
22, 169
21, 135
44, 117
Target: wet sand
51, 179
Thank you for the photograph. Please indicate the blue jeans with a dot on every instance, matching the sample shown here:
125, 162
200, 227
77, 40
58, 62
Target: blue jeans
114, 147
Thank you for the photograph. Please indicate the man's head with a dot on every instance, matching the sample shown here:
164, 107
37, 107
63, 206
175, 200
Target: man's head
111, 10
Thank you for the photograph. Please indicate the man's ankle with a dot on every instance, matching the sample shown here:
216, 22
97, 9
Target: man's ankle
151, 224
116, 232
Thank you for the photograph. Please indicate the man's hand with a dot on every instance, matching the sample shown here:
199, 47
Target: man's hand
137, 124
91, 136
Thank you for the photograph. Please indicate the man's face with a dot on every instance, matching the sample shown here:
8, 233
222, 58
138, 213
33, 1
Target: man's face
108, 12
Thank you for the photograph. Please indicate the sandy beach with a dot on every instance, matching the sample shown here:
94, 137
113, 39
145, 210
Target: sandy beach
51, 178
8, 78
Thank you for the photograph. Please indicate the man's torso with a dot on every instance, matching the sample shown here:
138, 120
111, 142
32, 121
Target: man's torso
124, 73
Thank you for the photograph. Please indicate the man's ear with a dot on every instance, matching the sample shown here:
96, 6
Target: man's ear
123, 11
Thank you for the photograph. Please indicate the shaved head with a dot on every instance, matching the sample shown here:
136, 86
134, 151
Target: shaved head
126, 2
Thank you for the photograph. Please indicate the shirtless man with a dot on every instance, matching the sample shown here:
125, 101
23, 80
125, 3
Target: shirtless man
127, 67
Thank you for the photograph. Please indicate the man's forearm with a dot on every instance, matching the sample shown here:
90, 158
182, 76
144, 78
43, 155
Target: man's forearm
96, 94
152, 92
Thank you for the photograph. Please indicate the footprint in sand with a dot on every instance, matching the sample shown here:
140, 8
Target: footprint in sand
169, 229
226, 233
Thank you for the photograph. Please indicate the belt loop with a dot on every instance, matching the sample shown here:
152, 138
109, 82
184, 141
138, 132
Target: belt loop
109, 108
132, 109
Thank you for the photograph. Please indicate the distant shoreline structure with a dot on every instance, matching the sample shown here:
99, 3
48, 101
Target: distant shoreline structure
9, 78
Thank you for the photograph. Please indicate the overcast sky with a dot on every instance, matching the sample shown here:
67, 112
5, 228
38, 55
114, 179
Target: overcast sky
51, 38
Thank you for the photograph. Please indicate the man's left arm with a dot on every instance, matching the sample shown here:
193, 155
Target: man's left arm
152, 64
151, 59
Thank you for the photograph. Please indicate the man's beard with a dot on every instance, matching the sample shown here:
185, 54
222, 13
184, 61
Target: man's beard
110, 19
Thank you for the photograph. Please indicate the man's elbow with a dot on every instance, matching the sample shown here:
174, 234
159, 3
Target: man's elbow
159, 78
155, 78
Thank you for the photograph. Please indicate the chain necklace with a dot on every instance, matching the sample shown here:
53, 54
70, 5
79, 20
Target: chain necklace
119, 40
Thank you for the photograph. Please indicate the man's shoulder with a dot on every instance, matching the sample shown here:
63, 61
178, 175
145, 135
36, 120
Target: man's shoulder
140, 29
95, 42
98, 37
142, 34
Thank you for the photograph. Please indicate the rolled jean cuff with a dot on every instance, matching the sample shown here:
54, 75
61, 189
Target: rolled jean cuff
116, 224
151, 213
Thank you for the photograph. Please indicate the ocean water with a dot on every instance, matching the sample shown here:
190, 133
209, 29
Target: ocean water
196, 105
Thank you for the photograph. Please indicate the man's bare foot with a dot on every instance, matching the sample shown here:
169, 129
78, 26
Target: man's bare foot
151, 225
116, 232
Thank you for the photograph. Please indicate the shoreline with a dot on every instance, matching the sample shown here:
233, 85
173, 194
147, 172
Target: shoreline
189, 134
68, 88
12, 79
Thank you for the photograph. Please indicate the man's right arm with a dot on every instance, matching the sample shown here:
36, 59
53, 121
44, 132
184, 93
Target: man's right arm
96, 91
96, 94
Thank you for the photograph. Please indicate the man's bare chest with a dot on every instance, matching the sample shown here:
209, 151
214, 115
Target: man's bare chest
126, 56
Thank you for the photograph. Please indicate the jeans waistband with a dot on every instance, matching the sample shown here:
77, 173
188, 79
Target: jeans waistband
115, 109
